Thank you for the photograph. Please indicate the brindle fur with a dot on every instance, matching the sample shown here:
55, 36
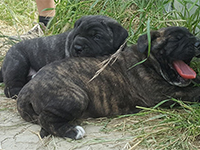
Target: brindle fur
61, 91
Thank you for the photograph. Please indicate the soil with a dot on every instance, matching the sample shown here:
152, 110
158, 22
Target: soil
16, 134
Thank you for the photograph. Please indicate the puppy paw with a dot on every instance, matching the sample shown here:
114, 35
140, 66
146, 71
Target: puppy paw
12, 92
43, 133
80, 132
76, 133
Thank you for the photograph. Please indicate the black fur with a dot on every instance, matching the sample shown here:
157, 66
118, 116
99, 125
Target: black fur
91, 36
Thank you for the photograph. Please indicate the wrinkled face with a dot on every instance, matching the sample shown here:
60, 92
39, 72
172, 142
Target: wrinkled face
174, 48
95, 36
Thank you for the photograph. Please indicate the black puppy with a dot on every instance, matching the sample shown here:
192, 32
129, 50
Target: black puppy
91, 36
61, 92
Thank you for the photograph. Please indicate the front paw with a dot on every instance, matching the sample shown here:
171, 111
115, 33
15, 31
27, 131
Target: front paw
12, 92
43, 133
75, 133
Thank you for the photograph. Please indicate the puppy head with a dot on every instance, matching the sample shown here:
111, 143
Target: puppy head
95, 36
173, 48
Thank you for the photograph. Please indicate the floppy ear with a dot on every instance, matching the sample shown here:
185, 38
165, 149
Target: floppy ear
157, 41
119, 34
78, 22
142, 43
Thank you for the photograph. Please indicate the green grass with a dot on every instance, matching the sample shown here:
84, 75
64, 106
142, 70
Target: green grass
153, 128
156, 128
133, 15
181, 126
18, 12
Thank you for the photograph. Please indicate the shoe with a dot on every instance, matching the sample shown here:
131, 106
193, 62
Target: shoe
36, 31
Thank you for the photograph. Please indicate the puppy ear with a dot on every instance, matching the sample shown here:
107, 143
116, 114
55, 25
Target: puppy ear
78, 22
119, 34
142, 43
157, 41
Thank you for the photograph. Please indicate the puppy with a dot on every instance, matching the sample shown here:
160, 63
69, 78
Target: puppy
62, 91
91, 36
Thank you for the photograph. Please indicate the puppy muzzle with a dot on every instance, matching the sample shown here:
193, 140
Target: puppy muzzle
79, 46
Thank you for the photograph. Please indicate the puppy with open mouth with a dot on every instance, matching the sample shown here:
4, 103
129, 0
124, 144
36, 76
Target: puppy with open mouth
63, 91
91, 36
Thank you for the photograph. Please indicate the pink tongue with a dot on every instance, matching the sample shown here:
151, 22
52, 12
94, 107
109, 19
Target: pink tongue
184, 70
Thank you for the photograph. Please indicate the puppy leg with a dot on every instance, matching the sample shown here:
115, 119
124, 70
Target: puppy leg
75, 133
58, 123
56, 118
15, 70
14, 80
27, 111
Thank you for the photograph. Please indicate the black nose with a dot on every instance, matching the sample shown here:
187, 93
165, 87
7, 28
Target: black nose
78, 48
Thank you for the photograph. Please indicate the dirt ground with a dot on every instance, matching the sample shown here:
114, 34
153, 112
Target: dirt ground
16, 134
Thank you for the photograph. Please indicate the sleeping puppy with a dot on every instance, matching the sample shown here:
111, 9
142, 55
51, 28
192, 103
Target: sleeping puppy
91, 36
62, 91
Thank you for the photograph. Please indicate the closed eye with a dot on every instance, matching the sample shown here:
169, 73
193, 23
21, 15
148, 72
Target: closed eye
180, 36
175, 39
97, 37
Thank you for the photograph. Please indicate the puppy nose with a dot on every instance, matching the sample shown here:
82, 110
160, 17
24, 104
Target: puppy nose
78, 48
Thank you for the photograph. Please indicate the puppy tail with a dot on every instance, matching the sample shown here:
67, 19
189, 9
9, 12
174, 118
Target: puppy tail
1, 76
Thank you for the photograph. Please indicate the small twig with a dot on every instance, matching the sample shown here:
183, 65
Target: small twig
136, 144
36, 133
107, 61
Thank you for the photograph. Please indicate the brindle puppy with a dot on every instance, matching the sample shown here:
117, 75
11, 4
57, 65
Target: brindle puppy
91, 36
60, 92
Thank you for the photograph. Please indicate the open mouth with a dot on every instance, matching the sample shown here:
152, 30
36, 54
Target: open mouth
184, 70
178, 73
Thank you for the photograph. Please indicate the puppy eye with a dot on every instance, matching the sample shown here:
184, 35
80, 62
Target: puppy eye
97, 37
179, 36
175, 38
